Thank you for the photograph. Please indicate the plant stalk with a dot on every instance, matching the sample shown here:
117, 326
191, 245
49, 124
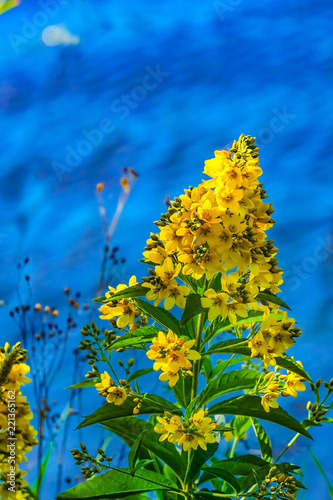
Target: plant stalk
197, 363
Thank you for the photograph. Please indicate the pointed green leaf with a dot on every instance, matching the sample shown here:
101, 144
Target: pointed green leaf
221, 366
228, 382
161, 316
268, 296
142, 335
90, 382
129, 428
101, 299
240, 425
222, 474
219, 325
193, 307
251, 406
139, 373
291, 365
134, 451
240, 465
128, 293
196, 460
263, 440
115, 483
233, 346
182, 391
150, 404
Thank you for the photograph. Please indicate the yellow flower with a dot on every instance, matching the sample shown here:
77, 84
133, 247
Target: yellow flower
169, 375
216, 302
258, 346
166, 272
12, 371
174, 294
293, 383
172, 354
106, 382
194, 439
268, 401
116, 395
235, 309
124, 309
202, 423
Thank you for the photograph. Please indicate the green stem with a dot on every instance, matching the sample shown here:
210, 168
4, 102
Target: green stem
251, 489
197, 362
287, 447
233, 447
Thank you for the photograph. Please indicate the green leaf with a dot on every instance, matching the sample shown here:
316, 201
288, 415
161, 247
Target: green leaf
161, 316
219, 325
193, 307
228, 382
182, 391
115, 483
139, 373
129, 428
191, 408
150, 404
251, 406
263, 440
134, 451
101, 299
142, 335
240, 465
141, 464
222, 474
268, 296
196, 460
90, 382
239, 346
291, 365
240, 425
128, 293
207, 367
236, 346
221, 366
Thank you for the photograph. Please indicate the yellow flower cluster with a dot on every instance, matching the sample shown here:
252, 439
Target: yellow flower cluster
197, 432
276, 384
123, 309
217, 227
172, 355
15, 417
108, 389
273, 338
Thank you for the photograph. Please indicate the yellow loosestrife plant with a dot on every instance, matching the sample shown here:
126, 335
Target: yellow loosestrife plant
212, 264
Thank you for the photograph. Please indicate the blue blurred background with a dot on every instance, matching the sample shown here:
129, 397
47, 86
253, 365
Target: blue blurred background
89, 87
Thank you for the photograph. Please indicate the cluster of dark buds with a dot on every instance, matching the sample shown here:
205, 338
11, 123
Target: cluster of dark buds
97, 464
